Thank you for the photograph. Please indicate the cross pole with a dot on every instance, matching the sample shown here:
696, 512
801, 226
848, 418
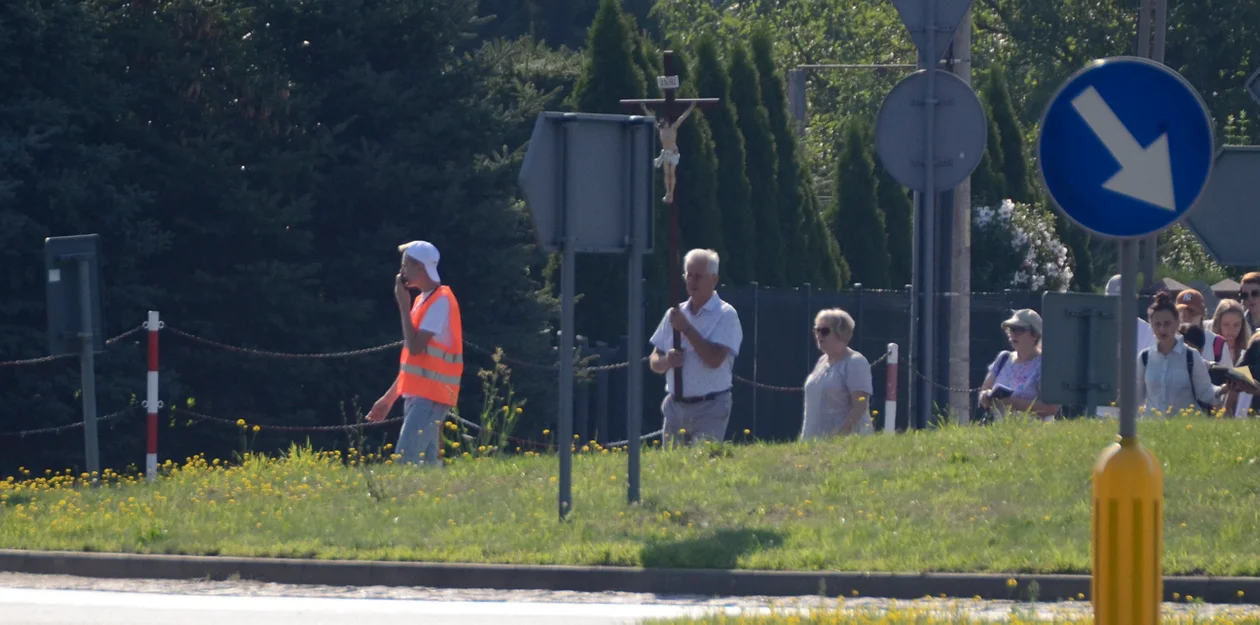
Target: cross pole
671, 108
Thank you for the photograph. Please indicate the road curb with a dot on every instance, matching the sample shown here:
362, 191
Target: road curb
704, 582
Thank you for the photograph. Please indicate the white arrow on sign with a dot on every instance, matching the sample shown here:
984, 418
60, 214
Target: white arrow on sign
1145, 173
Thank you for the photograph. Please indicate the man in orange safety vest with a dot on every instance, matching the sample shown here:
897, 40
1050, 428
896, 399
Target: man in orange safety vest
432, 358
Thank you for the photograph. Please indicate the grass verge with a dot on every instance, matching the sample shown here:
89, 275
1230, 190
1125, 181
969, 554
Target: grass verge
1014, 497
935, 616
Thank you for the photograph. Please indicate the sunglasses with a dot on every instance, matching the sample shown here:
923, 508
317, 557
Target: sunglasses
1248, 294
822, 331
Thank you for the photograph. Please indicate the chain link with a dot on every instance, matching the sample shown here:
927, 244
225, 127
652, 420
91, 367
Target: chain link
44, 359
943, 387
268, 353
283, 428
795, 389
63, 428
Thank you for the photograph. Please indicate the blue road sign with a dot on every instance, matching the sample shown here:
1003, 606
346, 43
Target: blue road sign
1126, 147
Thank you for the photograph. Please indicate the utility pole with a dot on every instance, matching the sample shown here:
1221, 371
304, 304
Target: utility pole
960, 258
1150, 44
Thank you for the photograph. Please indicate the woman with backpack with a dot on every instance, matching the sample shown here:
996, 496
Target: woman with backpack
1172, 377
1014, 380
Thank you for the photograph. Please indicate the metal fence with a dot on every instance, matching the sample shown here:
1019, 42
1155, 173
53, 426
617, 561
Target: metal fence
779, 352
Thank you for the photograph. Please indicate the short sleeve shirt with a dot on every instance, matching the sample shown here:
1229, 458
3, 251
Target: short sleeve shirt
717, 322
829, 396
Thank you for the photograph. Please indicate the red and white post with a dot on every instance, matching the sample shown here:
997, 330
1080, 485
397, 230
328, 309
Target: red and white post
151, 402
890, 391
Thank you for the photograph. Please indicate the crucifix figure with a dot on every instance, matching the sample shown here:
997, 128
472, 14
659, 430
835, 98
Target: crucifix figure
669, 116
668, 160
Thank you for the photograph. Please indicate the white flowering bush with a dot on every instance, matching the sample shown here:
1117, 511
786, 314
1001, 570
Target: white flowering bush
1014, 246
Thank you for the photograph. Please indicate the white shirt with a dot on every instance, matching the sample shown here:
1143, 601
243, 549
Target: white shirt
1165, 385
1145, 337
437, 319
718, 323
1209, 349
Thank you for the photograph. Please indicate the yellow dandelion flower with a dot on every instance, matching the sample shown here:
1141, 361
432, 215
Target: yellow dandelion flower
240, 422
256, 429
546, 432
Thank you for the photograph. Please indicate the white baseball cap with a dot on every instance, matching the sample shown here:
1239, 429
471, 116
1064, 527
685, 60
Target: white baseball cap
426, 254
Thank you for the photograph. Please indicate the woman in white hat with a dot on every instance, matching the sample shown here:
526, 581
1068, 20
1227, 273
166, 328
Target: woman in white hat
1014, 380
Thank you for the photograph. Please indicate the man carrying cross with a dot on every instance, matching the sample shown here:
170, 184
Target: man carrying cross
668, 121
669, 147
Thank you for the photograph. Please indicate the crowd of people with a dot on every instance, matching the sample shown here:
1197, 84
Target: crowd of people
1183, 359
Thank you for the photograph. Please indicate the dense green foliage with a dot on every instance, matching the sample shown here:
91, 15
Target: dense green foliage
855, 218
252, 166
734, 191
251, 172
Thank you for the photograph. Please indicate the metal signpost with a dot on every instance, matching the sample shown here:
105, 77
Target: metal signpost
1125, 151
72, 271
1228, 211
930, 134
587, 179
1078, 366
669, 109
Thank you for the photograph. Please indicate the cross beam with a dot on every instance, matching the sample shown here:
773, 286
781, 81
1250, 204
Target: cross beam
670, 108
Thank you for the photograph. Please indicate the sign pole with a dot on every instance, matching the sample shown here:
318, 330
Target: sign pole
1125, 151
927, 363
634, 334
564, 430
87, 369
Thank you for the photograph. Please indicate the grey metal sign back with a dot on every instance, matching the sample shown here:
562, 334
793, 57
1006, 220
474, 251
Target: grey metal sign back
915, 14
607, 162
589, 183
1228, 214
961, 130
1079, 354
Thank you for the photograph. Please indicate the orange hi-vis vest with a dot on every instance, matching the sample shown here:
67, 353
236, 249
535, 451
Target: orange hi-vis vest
434, 373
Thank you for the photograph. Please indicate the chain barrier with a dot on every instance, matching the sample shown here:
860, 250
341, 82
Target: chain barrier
943, 387
376, 349
795, 389
62, 428
271, 354
44, 359
283, 428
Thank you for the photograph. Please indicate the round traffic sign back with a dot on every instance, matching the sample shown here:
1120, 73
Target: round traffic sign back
961, 131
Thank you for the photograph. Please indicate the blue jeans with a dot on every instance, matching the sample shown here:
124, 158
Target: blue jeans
421, 431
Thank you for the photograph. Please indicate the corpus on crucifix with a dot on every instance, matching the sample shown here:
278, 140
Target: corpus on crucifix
670, 114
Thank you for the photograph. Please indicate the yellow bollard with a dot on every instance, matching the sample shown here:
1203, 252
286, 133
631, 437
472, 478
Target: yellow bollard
1128, 535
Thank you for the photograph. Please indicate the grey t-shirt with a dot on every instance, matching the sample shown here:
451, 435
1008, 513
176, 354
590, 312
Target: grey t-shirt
828, 396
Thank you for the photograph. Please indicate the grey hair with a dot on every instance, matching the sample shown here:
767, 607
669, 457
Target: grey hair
709, 257
839, 321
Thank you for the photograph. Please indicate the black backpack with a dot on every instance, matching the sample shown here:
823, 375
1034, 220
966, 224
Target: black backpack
1189, 371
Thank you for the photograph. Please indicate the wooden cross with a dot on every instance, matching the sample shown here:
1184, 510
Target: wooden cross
670, 112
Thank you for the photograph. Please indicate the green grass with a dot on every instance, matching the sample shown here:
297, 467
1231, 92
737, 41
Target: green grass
1017, 615
1008, 498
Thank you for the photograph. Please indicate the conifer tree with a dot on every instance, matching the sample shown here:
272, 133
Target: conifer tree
733, 192
988, 186
1014, 169
855, 218
898, 211
761, 164
610, 74
803, 243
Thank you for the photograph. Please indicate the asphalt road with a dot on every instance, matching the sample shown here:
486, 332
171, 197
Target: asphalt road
93, 607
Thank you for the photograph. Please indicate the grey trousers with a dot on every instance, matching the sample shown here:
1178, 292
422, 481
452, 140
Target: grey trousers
688, 423
421, 433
